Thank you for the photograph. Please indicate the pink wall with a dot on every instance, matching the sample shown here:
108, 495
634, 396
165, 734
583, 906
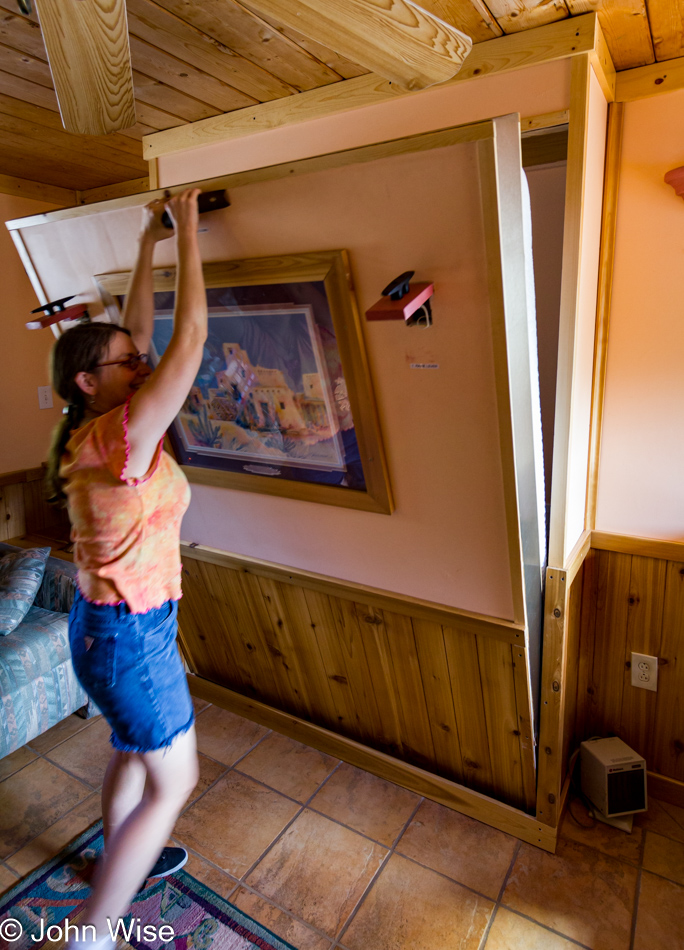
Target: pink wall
27, 428
533, 91
641, 483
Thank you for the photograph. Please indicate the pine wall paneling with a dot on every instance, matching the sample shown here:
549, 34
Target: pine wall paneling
427, 685
633, 602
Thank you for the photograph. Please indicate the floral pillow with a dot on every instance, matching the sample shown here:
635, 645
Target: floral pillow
21, 573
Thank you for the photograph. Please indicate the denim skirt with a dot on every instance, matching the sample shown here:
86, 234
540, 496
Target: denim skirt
130, 667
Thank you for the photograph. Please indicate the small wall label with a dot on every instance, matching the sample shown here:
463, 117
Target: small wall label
424, 365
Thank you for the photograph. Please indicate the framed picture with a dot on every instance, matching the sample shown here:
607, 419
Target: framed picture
283, 402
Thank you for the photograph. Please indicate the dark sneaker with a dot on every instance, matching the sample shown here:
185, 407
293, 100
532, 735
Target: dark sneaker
168, 862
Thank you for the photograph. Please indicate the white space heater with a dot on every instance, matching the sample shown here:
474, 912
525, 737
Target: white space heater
613, 777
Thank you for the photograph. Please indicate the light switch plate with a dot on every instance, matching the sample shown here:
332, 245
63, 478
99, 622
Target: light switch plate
45, 397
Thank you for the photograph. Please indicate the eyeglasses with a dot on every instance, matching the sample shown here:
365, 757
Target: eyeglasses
130, 362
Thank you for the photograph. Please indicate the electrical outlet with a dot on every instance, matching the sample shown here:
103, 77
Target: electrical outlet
645, 671
45, 397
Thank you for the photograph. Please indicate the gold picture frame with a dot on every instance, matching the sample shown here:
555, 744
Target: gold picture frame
331, 270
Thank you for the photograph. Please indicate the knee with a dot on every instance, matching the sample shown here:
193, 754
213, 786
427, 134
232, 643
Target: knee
174, 787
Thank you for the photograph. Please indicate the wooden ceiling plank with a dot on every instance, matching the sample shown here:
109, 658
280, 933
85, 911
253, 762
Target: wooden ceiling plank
567, 37
151, 22
186, 78
231, 24
114, 143
87, 46
158, 94
667, 27
159, 119
20, 32
516, 15
86, 146
137, 131
25, 65
22, 156
625, 27
20, 88
23, 188
397, 39
343, 67
121, 166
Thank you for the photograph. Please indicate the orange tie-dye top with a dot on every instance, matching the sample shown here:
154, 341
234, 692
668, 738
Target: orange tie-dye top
126, 531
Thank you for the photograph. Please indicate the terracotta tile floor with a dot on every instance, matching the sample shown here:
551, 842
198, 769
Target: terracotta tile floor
331, 857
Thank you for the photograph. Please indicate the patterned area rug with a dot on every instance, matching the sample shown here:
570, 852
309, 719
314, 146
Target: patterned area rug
174, 913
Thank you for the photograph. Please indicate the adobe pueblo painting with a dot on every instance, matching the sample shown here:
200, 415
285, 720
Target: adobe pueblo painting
283, 402
270, 397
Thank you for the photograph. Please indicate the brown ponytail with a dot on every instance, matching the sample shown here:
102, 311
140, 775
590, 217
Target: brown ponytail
77, 350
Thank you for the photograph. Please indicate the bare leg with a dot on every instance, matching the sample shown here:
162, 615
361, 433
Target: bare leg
122, 790
135, 844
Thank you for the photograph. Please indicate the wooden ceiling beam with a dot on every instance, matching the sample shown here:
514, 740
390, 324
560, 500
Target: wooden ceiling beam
473, 18
397, 39
568, 37
87, 47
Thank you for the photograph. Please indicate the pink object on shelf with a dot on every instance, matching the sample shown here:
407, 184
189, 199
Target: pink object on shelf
675, 177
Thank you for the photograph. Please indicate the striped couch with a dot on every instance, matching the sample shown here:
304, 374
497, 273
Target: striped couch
38, 687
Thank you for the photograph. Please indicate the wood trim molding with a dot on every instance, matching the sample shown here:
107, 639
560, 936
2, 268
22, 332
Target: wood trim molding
22, 475
504, 630
645, 547
605, 290
551, 713
548, 120
23, 188
576, 557
653, 80
461, 799
603, 65
568, 37
153, 166
119, 189
666, 789
573, 228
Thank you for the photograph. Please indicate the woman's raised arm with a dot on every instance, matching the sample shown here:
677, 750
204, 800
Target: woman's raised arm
158, 401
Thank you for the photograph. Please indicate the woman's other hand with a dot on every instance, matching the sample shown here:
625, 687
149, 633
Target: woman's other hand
183, 211
152, 226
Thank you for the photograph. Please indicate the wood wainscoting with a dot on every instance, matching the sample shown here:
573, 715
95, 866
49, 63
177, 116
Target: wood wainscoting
24, 510
439, 693
633, 601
